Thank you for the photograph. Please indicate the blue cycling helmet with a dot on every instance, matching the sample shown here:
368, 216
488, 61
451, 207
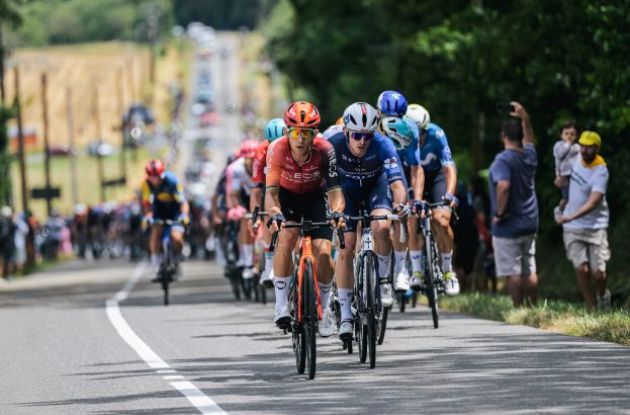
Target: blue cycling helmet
401, 131
392, 103
274, 129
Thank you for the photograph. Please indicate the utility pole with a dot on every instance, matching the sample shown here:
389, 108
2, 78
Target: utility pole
21, 157
46, 144
73, 157
99, 131
121, 109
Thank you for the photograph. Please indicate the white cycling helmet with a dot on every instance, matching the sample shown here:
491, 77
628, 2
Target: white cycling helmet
399, 130
360, 117
419, 115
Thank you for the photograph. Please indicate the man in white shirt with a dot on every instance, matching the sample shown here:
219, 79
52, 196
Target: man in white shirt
585, 221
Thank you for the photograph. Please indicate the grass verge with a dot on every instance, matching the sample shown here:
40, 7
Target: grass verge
556, 316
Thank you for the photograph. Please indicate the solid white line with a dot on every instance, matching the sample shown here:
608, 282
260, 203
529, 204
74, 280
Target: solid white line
202, 402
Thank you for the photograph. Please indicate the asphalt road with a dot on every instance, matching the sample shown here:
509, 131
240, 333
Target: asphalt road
94, 338
61, 354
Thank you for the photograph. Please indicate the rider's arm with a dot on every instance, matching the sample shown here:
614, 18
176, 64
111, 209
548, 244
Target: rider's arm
448, 164
232, 188
393, 169
417, 181
255, 198
399, 193
272, 182
336, 199
146, 198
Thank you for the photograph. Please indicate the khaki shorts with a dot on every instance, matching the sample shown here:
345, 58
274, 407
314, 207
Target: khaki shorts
514, 256
587, 247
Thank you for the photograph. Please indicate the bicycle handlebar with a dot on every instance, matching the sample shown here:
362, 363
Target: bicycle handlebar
306, 225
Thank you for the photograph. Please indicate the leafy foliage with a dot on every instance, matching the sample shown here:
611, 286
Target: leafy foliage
561, 59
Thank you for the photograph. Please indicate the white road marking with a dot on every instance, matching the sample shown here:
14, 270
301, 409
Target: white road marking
202, 402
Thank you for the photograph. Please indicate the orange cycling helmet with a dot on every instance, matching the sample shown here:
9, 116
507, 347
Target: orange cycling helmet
154, 168
302, 114
248, 149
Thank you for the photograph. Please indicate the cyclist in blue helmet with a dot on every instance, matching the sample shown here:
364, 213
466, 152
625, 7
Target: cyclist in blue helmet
274, 129
391, 104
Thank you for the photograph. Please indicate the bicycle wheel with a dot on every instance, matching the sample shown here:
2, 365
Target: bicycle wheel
430, 276
310, 317
297, 332
359, 322
383, 325
371, 304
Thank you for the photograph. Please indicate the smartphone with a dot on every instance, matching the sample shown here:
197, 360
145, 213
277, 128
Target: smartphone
505, 108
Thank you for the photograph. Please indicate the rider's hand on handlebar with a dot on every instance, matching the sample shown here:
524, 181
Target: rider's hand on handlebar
147, 221
183, 219
275, 222
452, 200
402, 210
418, 207
337, 219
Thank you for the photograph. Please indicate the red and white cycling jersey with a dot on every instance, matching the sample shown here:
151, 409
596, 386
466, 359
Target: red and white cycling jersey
260, 163
238, 178
319, 169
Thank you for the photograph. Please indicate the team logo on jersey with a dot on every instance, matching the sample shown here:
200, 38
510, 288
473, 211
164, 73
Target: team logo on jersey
439, 133
391, 163
428, 159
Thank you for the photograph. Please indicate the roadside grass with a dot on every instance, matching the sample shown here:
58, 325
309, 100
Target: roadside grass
557, 316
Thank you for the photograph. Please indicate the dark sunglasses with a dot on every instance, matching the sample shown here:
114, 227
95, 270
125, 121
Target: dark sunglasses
361, 136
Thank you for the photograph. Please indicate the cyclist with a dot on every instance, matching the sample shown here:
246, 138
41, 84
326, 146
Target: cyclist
239, 185
371, 175
218, 208
298, 166
163, 199
439, 185
391, 104
273, 130
404, 134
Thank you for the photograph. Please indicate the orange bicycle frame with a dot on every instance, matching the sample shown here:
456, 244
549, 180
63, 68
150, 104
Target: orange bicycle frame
306, 251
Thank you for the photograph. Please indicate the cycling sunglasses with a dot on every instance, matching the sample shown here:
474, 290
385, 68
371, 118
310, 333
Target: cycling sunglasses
361, 136
305, 133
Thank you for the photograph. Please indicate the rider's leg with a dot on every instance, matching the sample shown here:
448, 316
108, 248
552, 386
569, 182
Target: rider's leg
382, 242
155, 245
401, 274
177, 237
246, 243
282, 270
415, 250
444, 237
343, 274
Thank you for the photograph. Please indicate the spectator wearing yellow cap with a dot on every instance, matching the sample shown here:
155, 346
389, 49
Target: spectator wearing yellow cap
585, 222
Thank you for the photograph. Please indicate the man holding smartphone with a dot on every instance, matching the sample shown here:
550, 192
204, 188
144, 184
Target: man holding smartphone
515, 208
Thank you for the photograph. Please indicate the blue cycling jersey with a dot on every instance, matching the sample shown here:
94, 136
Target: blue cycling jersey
166, 199
362, 173
435, 152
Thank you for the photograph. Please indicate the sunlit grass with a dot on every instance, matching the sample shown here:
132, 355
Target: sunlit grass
556, 316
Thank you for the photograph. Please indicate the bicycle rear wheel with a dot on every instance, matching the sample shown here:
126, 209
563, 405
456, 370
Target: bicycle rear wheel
310, 316
431, 276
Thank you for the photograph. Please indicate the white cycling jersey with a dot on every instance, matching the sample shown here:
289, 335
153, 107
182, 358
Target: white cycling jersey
238, 178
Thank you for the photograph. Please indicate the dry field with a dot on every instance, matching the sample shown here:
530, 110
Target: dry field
104, 78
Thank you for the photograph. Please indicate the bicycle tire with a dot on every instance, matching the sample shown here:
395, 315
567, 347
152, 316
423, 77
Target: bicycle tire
382, 327
165, 286
370, 292
310, 317
430, 276
359, 327
297, 332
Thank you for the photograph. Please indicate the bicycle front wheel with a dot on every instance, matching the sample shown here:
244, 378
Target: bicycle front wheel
370, 291
310, 317
431, 278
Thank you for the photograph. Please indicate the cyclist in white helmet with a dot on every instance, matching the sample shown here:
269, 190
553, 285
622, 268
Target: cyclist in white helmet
439, 185
370, 174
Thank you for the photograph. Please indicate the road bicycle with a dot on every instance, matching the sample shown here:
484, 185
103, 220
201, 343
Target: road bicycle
368, 321
169, 266
433, 282
304, 299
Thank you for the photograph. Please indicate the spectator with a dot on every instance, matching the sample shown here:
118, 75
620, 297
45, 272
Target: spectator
21, 233
466, 237
565, 152
7, 240
515, 208
585, 221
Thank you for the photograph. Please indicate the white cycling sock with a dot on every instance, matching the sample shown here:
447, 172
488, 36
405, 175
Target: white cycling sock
383, 265
156, 259
400, 257
281, 287
248, 255
268, 259
324, 293
345, 299
416, 261
447, 258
